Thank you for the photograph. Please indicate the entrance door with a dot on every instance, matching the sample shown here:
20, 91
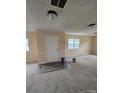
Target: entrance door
52, 48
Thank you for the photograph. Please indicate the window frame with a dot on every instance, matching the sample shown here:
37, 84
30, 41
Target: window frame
74, 43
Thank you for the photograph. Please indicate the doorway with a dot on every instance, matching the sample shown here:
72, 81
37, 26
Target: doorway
52, 48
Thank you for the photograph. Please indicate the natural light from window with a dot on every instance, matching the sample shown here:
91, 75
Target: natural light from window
73, 43
27, 45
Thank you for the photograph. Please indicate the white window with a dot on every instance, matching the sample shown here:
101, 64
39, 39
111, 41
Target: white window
73, 43
27, 44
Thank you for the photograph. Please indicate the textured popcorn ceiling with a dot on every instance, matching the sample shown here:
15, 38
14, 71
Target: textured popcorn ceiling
73, 18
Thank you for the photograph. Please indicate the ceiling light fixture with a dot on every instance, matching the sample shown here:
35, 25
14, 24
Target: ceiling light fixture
52, 14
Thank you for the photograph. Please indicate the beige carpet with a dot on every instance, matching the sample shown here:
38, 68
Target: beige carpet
80, 78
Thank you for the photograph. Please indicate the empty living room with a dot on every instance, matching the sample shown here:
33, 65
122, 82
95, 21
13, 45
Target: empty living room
61, 46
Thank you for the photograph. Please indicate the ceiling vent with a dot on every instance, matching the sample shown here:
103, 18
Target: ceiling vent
91, 25
58, 3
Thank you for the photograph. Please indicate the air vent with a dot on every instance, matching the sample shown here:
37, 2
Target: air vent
62, 3
58, 3
91, 25
54, 2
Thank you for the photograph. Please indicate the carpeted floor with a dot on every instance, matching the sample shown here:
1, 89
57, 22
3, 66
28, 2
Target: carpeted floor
80, 77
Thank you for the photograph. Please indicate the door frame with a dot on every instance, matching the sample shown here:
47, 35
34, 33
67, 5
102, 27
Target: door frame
48, 45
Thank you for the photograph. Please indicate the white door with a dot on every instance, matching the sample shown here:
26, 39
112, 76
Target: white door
52, 48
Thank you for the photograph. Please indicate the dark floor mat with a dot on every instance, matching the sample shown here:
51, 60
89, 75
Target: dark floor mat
50, 67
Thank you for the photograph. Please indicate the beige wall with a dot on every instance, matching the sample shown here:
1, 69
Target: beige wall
32, 54
85, 46
94, 45
42, 43
37, 41
37, 44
